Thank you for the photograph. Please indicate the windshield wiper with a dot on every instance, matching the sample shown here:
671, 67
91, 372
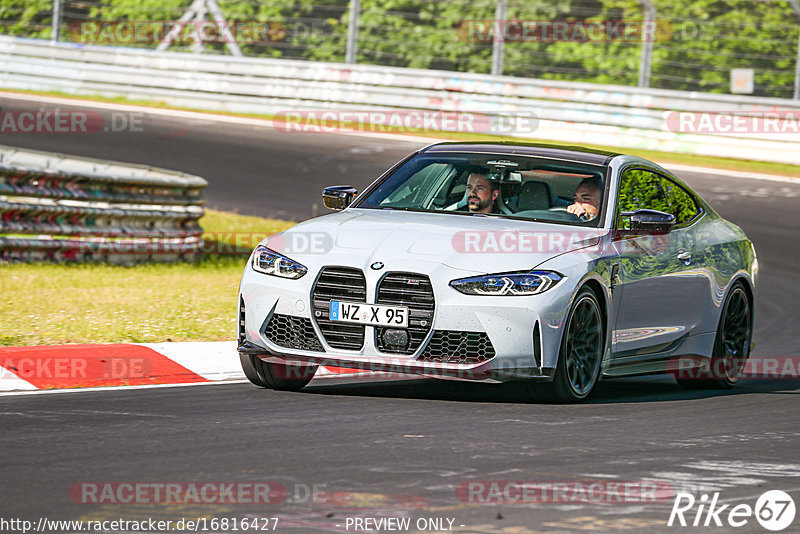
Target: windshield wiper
418, 210
497, 215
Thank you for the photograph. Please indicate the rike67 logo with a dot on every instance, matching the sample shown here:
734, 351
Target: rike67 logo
774, 510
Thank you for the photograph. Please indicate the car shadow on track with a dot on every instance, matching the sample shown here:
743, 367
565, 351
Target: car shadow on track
612, 391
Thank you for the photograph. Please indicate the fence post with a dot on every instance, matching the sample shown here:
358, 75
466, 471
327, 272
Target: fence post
498, 43
352, 32
56, 21
645, 65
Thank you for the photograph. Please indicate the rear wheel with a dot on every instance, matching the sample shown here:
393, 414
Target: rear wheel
731, 345
581, 353
277, 376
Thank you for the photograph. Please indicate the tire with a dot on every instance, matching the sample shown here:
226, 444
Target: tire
580, 356
248, 366
731, 345
276, 376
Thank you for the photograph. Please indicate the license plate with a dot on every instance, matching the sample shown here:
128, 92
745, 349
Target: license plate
369, 314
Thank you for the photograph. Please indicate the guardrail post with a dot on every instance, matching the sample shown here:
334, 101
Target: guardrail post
56, 21
197, 12
219, 18
796, 8
797, 70
498, 43
178, 28
352, 32
645, 65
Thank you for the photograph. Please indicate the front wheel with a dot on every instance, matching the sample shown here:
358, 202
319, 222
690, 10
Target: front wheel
276, 376
581, 353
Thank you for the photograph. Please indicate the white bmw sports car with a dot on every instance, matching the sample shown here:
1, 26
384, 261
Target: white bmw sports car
556, 266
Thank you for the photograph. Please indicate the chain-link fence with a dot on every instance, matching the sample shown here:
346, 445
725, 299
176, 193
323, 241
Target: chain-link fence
746, 46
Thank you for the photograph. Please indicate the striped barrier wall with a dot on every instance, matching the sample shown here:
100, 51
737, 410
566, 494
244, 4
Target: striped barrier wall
61, 208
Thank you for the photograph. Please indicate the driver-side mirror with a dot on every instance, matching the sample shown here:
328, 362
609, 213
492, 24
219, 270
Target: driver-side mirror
650, 221
338, 197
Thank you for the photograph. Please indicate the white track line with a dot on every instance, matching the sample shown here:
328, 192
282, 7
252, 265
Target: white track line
118, 388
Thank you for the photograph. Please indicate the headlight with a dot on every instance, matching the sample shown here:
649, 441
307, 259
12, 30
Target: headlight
524, 283
270, 262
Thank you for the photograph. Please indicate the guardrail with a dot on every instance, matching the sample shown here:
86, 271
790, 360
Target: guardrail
566, 112
60, 208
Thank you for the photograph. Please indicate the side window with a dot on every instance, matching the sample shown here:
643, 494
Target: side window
681, 203
640, 189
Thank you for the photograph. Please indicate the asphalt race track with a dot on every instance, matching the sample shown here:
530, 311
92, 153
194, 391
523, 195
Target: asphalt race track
400, 449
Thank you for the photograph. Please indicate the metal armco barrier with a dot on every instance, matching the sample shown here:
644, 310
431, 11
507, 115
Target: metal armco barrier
566, 111
62, 208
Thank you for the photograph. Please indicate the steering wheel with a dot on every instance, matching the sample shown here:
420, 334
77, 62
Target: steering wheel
571, 216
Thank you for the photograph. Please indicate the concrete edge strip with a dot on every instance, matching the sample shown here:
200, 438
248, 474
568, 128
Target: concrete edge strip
400, 137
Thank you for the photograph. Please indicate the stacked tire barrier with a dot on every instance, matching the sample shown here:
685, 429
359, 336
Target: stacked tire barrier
66, 209
568, 112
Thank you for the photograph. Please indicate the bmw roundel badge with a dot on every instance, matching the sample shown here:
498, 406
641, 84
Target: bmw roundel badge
377, 266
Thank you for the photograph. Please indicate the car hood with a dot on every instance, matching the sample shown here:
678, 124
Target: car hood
359, 237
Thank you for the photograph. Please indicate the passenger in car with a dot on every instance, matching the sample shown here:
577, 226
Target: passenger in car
586, 201
482, 193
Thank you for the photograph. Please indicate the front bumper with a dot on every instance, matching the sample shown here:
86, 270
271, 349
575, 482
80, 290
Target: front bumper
524, 331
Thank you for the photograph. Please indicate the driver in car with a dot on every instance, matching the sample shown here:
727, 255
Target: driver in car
482, 193
586, 201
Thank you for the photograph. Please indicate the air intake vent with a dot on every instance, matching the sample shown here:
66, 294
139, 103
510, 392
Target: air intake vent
292, 333
241, 335
339, 283
452, 346
412, 290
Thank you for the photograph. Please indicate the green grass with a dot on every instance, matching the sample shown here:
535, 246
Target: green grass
45, 304
666, 158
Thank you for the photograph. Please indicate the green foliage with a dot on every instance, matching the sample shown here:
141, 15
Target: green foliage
697, 43
641, 189
28, 18
702, 41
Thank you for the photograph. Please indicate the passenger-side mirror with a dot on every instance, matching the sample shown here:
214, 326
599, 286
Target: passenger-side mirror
338, 197
650, 221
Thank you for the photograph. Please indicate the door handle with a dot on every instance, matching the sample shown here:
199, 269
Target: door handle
685, 256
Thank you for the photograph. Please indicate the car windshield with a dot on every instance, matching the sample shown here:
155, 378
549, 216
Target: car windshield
500, 185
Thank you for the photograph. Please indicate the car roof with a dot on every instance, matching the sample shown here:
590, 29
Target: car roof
576, 154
